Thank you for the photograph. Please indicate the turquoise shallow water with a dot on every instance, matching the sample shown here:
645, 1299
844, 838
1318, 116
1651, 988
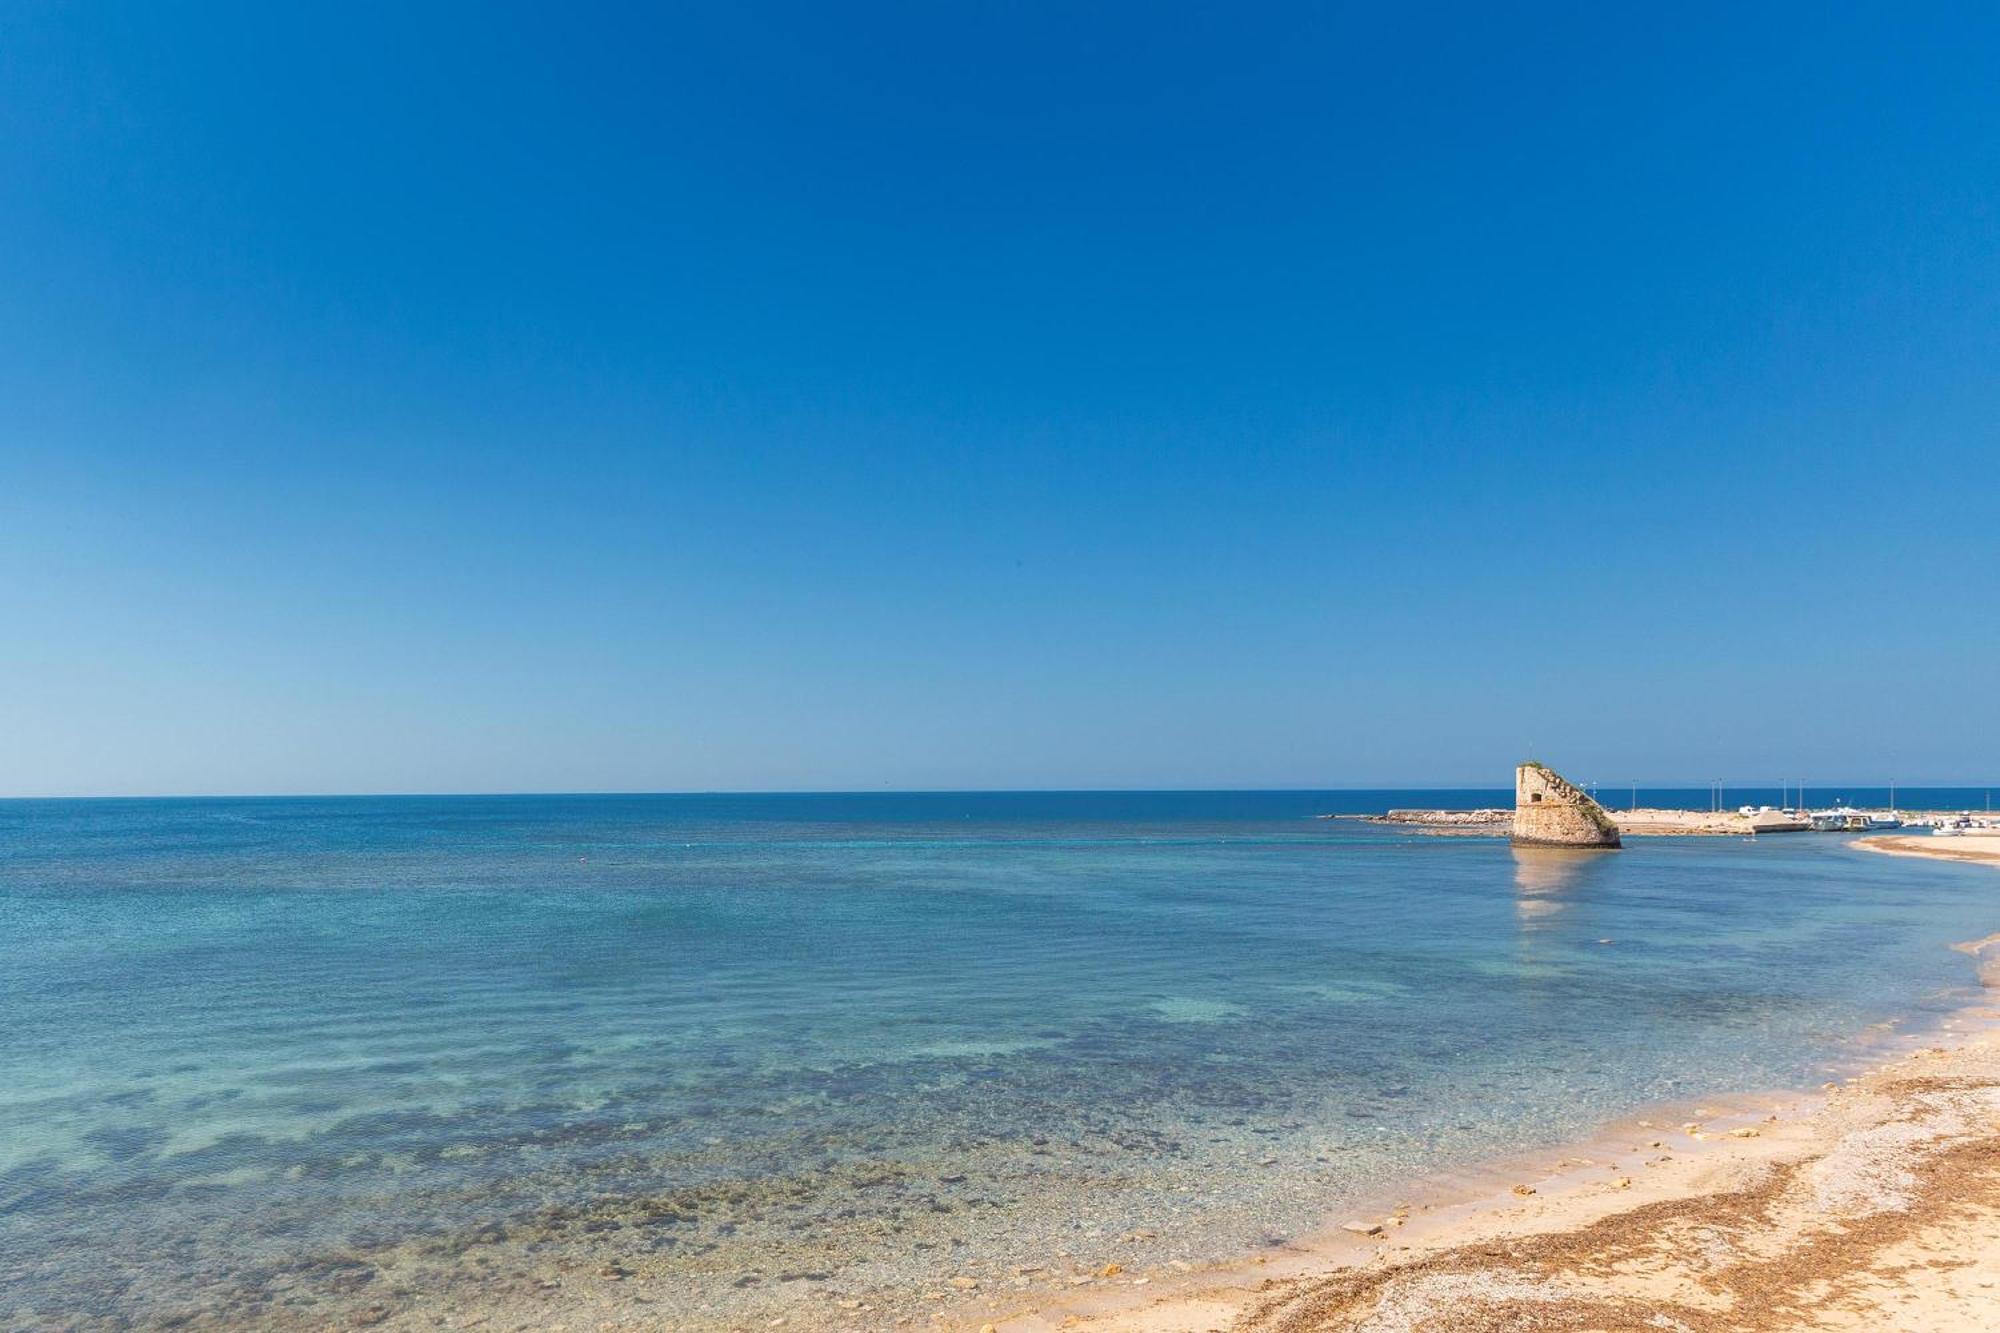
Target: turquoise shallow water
260, 1056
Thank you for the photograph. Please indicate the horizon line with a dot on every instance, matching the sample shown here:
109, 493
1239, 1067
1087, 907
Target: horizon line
1648, 784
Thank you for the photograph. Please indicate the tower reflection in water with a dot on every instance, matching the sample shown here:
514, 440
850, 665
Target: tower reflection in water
1547, 879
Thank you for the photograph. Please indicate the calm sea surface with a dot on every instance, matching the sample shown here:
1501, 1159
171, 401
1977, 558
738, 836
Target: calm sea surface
315, 1061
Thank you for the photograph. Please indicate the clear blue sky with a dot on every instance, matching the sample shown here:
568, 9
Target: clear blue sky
402, 398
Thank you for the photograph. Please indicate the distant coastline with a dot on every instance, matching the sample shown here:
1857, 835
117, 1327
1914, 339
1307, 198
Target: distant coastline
1642, 822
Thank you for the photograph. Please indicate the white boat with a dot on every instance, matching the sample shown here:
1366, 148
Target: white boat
1846, 819
1768, 820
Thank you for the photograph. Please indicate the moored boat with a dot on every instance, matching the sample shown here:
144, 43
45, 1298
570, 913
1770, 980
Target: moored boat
1767, 820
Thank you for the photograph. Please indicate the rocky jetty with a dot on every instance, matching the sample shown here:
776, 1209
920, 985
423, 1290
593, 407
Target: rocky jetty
1550, 811
1480, 819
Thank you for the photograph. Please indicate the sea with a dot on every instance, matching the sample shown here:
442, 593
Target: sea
709, 1061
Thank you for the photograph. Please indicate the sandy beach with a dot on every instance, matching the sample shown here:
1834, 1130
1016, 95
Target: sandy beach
1984, 851
1872, 1203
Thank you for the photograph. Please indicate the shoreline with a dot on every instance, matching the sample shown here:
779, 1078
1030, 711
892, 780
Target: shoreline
1514, 1241
1872, 1202
1643, 822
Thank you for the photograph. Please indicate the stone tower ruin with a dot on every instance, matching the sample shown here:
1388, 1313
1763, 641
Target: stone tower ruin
1549, 811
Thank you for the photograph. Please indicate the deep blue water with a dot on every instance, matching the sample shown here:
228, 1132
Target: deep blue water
241, 1035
